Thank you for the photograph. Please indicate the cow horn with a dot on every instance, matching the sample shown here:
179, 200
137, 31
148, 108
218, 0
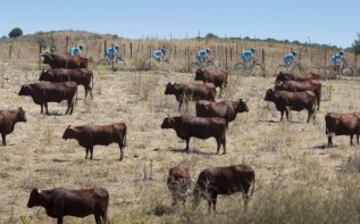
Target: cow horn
39, 191
246, 100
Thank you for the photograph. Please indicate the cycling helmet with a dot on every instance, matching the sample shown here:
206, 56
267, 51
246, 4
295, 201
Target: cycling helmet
208, 50
81, 47
116, 46
163, 50
252, 50
293, 53
342, 52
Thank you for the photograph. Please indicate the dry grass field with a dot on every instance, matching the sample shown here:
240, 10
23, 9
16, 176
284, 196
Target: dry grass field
298, 179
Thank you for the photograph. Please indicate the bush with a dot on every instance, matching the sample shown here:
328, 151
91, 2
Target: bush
16, 32
4, 37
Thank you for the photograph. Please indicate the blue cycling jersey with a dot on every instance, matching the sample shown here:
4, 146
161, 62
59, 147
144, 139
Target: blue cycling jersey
74, 51
111, 52
201, 55
288, 58
246, 55
157, 54
336, 58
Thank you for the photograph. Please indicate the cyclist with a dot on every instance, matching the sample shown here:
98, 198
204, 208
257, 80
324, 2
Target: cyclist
159, 54
75, 51
248, 55
111, 52
289, 58
337, 58
203, 54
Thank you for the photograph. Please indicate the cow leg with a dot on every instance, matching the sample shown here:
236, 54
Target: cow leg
213, 200
41, 105
218, 142
282, 115
121, 152
104, 217
91, 152
87, 152
223, 142
174, 200
3, 136
287, 114
187, 145
351, 139
86, 91
71, 107
60, 220
180, 103
357, 138
46, 108
97, 219
246, 200
330, 142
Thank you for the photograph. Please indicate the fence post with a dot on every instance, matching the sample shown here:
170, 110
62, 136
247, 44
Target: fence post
300, 61
124, 55
150, 55
263, 61
325, 56
131, 49
188, 54
10, 51
104, 47
19, 52
175, 52
100, 56
40, 56
66, 44
226, 57
355, 59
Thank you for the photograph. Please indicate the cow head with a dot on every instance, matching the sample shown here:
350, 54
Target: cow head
35, 198
25, 90
44, 75
242, 106
69, 133
270, 94
46, 58
281, 77
20, 115
199, 74
168, 122
170, 88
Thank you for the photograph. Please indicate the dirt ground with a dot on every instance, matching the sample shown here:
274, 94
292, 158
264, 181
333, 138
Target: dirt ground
37, 156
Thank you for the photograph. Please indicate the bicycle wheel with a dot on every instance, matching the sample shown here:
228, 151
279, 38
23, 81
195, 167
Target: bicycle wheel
257, 70
282, 68
239, 69
297, 68
348, 71
103, 62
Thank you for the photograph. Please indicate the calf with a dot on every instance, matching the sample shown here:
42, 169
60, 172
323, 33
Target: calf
342, 124
225, 109
64, 61
8, 119
218, 77
224, 181
90, 135
295, 86
297, 101
60, 202
81, 76
203, 128
44, 92
284, 76
185, 92
179, 183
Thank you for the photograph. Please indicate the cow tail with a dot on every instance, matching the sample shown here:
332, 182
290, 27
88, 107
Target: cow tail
92, 80
253, 186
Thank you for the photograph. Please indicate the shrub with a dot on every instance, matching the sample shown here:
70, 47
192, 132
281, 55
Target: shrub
16, 32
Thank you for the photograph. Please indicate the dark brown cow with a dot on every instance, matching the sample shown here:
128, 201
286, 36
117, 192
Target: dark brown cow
64, 61
295, 86
185, 92
218, 77
199, 127
298, 101
224, 181
283, 76
8, 119
81, 76
179, 183
60, 202
225, 109
342, 124
90, 135
44, 92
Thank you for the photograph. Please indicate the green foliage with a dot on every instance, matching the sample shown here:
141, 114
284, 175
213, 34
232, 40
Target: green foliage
16, 32
3, 37
211, 36
356, 44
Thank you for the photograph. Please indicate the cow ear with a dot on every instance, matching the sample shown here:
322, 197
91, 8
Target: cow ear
20, 108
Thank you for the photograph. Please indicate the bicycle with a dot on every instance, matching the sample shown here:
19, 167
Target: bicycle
332, 70
207, 63
293, 67
107, 61
253, 68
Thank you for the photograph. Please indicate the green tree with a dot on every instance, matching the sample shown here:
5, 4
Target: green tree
356, 44
16, 32
211, 36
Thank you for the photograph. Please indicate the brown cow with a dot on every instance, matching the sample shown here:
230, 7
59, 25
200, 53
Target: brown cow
60, 202
8, 119
224, 181
225, 109
200, 127
90, 135
81, 76
44, 92
179, 183
297, 101
218, 77
184, 92
64, 61
342, 124
295, 86
284, 76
